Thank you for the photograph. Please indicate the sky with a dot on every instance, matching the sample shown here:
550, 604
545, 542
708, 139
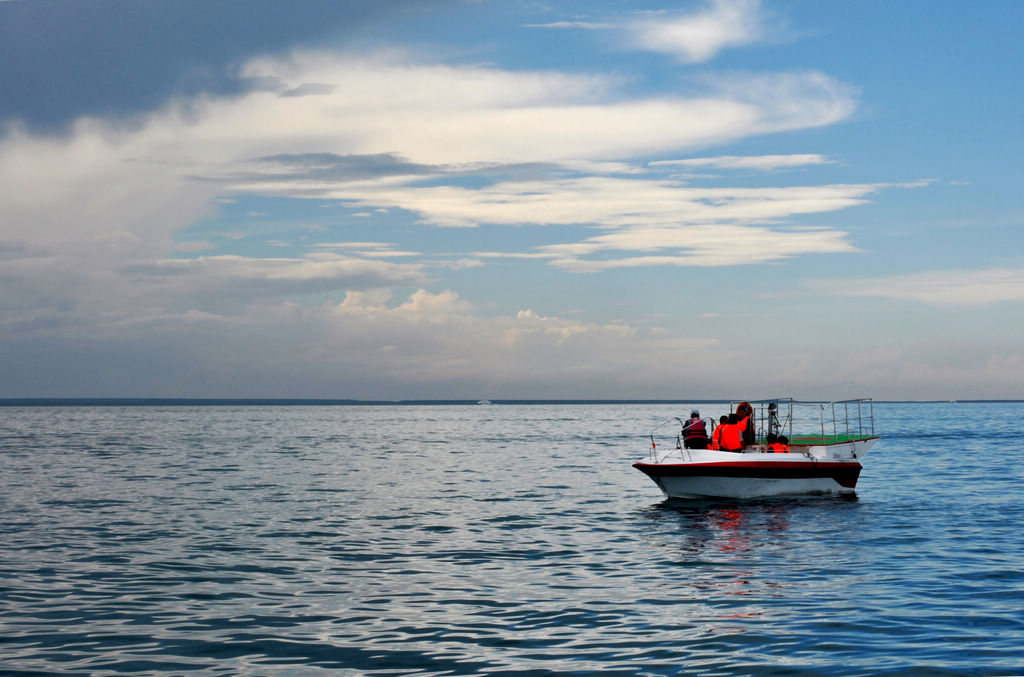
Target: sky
707, 199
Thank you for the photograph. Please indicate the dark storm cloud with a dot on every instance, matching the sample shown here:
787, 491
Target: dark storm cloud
60, 60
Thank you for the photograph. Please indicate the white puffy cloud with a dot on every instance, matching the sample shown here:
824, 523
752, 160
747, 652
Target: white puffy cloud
437, 341
427, 305
699, 36
689, 36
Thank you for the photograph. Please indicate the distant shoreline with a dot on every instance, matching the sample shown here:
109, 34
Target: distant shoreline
307, 402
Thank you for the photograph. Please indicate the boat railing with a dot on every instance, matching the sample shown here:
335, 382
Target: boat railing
666, 440
812, 423
804, 423
842, 421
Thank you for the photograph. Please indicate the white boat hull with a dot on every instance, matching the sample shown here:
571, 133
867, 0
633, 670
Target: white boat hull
746, 487
701, 474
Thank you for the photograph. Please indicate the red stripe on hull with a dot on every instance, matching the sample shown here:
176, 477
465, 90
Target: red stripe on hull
844, 474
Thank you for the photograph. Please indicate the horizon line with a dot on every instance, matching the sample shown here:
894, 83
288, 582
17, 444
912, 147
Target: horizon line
327, 401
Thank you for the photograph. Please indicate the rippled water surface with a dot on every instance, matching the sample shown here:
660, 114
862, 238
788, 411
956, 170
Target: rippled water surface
502, 539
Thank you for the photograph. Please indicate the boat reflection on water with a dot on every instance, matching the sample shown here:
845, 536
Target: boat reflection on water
741, 548
729, 523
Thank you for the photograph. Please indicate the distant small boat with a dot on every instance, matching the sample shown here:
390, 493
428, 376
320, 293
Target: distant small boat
484, 402
825, 446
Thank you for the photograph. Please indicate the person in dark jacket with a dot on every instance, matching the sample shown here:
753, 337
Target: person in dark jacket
695, 433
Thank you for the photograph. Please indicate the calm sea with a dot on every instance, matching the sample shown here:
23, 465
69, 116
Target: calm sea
504, 539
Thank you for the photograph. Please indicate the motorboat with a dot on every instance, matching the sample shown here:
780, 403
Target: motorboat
824, 445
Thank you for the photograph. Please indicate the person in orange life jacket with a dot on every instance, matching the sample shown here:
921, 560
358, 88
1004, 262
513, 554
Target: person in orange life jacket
745, 411
732, 435
695, 433
716, 437
775, 445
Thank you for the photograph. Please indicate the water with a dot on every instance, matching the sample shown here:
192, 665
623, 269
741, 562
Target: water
439, 540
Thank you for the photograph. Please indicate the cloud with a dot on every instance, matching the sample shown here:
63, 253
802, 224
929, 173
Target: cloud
89, 296
313, 169
999, 376
434, 306
898, 372
309, 89
369, 346
316, 268
91, 216
118, 58
318, 167
690, 37
601, 201
943, 288
443, 115
922, 371
387, 120
106, 200
76, 188
371, 250
788, 100
588, 25
483, 121
699, 36
687, 226
194, 246
710, 245
435, 339
764, 163
458, 264
207, 281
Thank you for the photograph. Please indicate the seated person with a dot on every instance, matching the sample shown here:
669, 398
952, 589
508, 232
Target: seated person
716, 437
776, 445
695, 433
745, 411
732, 435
